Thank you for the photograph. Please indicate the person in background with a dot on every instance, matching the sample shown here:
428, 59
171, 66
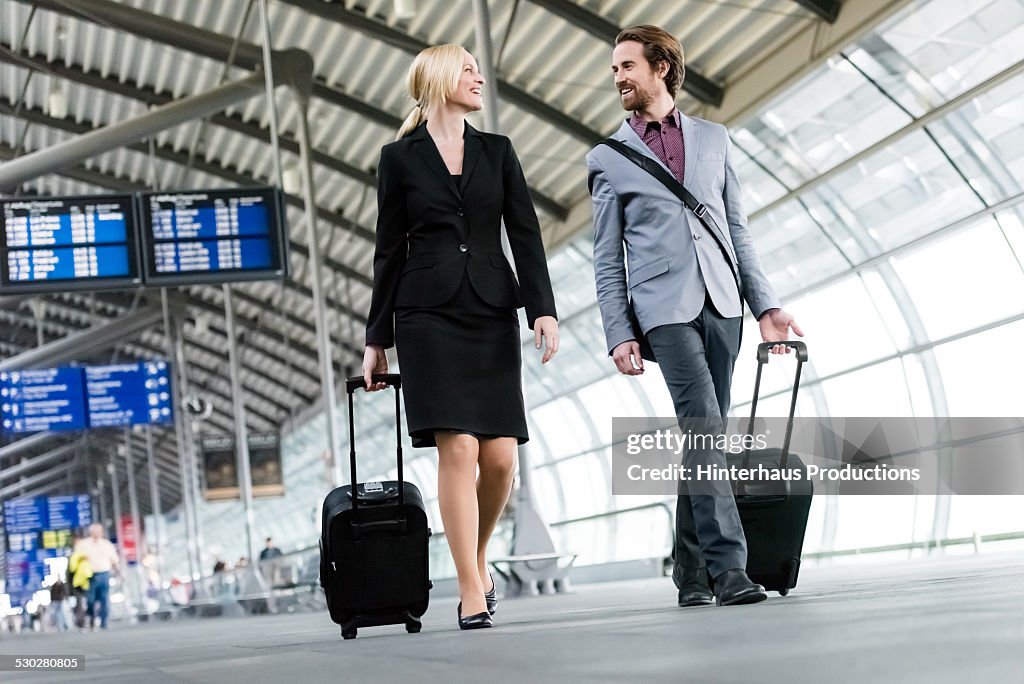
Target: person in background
79, 572
102, 558
270, 551
59, 592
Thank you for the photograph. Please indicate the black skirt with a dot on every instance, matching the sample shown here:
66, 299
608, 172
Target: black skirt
461, 368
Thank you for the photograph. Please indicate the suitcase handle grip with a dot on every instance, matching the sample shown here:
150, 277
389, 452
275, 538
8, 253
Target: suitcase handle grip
764, 348
357, 381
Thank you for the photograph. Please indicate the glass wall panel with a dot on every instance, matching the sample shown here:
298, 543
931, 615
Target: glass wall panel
956, 283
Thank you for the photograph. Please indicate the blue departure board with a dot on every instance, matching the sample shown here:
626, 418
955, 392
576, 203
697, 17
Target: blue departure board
38, 529
42, 399
213, 236
68, 243
129, 394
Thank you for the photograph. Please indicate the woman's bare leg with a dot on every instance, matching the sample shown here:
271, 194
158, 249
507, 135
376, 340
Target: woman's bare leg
456, 495
497, 464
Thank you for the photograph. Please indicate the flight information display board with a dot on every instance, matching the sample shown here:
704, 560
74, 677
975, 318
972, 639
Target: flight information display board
39, 529
68, 243
42, 399
129, 394
213, 236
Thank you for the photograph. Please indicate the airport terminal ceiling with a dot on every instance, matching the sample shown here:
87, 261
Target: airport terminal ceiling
881, 150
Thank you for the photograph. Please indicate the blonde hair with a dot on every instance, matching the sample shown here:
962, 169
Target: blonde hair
432, 78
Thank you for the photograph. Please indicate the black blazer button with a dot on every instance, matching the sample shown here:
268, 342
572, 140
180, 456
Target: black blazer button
463, 248
461, 212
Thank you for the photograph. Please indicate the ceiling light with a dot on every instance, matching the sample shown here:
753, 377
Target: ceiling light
292, 179
405, 9
57, 103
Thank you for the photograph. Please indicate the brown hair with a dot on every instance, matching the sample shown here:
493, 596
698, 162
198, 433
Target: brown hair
659, 46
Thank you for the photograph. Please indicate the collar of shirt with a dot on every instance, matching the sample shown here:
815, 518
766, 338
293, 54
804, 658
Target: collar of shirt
640, 125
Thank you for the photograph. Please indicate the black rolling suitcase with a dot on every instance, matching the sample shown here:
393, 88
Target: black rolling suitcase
774, 513
373, 546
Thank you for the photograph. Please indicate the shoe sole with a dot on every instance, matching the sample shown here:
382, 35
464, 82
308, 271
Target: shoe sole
705, 601
743, 600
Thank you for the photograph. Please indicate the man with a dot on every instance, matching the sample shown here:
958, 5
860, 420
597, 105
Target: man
270, 551
685, 292
271, 568
102, 559
58, 592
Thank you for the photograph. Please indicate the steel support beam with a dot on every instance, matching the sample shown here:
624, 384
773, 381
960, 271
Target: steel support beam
248, 55
797, 53
826, 9
86, 342
323, 334
32, 442
1010, 72
339, 13
241, 431
15, 487
28, 465
101, 140
695, 83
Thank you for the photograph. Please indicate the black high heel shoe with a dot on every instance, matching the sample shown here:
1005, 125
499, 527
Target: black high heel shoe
476, 621
492, 596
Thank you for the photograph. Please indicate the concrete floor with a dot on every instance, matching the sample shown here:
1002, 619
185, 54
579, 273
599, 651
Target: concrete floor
942, 620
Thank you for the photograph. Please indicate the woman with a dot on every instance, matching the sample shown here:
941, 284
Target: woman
445, 296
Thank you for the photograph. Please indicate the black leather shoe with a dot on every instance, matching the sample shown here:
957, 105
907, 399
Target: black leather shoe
734, 588
693, 586
695, 597
492, 596
476, 621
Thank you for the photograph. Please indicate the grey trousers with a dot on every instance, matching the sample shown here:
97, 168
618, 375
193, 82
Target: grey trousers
697, 360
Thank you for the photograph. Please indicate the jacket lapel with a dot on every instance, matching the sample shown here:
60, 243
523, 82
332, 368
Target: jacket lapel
691, 147
471, 154
430, 155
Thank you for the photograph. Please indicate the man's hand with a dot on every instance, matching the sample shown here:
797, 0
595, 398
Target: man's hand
775, 327
627, 358
546, 327
375, 362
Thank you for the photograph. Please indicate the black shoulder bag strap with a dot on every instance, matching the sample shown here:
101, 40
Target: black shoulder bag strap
691, 203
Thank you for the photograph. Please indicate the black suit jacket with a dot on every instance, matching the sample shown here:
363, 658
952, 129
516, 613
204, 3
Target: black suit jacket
432, 229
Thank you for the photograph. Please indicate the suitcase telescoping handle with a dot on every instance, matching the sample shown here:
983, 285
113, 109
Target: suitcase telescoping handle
351, 385
763, 350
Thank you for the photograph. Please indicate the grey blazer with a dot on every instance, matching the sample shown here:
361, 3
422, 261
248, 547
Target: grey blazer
672, 259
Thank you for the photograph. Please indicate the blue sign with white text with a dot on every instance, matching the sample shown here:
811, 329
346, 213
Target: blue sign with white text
42, 399
129, 394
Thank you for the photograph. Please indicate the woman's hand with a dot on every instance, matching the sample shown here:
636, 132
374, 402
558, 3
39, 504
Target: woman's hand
546, 327
375, 362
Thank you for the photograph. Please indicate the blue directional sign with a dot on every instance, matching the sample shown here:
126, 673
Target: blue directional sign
25, 515
68, 512
67, 243
129, 394
42, 399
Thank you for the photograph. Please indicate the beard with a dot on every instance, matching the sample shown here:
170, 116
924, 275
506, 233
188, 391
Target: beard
636, 100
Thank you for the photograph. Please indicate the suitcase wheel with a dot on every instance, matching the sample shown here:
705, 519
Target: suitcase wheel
783, 592
413, 627
348, 633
